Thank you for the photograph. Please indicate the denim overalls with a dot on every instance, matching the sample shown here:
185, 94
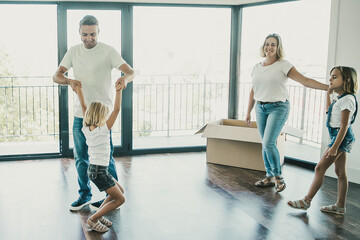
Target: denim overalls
349, 138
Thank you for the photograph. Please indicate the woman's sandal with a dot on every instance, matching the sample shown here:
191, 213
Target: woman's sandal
105, 221
266, 182
333, 209
98, 226
301, 204
280, 184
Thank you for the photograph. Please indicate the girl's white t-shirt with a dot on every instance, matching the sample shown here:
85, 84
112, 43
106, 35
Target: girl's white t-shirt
270, 82
346, 102
98, 141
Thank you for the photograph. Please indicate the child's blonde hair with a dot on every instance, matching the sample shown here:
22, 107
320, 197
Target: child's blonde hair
349, 77
96, 115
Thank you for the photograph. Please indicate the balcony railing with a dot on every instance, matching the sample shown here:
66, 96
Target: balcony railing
171, 105
28, 109
162, 106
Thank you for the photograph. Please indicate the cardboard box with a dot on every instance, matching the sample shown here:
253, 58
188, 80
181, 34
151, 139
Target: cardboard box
231, 142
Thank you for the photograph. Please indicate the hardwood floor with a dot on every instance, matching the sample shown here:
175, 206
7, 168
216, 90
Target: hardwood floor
170, 196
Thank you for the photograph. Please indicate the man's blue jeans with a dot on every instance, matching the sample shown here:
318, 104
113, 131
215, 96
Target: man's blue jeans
270, 118
82, 160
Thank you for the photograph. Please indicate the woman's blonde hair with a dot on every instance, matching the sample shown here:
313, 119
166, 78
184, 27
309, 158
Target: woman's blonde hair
96, 115
349, 77
279, 50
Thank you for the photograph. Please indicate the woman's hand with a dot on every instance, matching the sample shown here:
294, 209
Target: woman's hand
330, 91
247, 119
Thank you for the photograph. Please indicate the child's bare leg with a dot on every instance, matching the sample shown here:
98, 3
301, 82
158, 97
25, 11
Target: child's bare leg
114, 200
340, 170
118, 184
109, 198
320, 169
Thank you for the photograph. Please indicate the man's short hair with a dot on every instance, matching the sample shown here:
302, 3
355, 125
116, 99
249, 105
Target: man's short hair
89, 20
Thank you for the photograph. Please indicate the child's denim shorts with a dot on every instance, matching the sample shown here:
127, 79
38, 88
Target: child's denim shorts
347, 143
100, 176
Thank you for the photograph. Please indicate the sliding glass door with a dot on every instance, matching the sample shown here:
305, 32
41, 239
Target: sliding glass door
182, 55
110, 19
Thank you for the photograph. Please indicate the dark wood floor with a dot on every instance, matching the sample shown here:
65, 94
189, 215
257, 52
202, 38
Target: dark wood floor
170, 196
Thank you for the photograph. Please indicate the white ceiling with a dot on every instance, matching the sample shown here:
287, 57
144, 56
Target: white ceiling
211, 2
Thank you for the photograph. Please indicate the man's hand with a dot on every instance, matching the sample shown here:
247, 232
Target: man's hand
121, 83
118, 87
74, 84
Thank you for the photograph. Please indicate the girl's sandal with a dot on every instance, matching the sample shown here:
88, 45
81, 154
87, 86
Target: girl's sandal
105, 221
333, 209
280, 184
98, 226
266, 182
301, 204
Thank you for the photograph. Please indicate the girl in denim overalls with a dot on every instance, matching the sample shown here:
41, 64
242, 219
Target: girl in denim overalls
341, 114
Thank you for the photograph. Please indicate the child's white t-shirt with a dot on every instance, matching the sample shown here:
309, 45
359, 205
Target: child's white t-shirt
346, 102
93, 68
269, 82
98, 141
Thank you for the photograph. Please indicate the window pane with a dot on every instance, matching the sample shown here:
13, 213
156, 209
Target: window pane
28, 98
304, 29
110, 33
182, 55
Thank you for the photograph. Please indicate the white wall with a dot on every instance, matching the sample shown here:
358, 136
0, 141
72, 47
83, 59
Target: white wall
344, 49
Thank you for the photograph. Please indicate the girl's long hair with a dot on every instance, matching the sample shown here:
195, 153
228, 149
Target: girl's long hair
96, 115
349, 77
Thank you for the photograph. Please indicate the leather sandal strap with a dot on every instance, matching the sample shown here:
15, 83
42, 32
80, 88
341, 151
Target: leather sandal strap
98, 226
105, 221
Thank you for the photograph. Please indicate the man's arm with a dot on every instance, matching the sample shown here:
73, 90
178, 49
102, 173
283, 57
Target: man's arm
60, 78
128, 76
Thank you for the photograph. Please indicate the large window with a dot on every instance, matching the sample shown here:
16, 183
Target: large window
304, 29
182, 59
28, 98
182, 55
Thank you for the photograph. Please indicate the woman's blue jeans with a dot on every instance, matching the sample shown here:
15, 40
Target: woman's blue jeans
270, 118
82, 160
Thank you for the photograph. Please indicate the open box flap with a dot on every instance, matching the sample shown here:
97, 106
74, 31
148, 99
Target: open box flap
201, 130
232, 130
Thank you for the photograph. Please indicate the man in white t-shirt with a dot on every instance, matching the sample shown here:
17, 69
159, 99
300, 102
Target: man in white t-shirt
92, 63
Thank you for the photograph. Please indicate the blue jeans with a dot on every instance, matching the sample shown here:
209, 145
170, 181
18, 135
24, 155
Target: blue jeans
270, 118
82, 160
